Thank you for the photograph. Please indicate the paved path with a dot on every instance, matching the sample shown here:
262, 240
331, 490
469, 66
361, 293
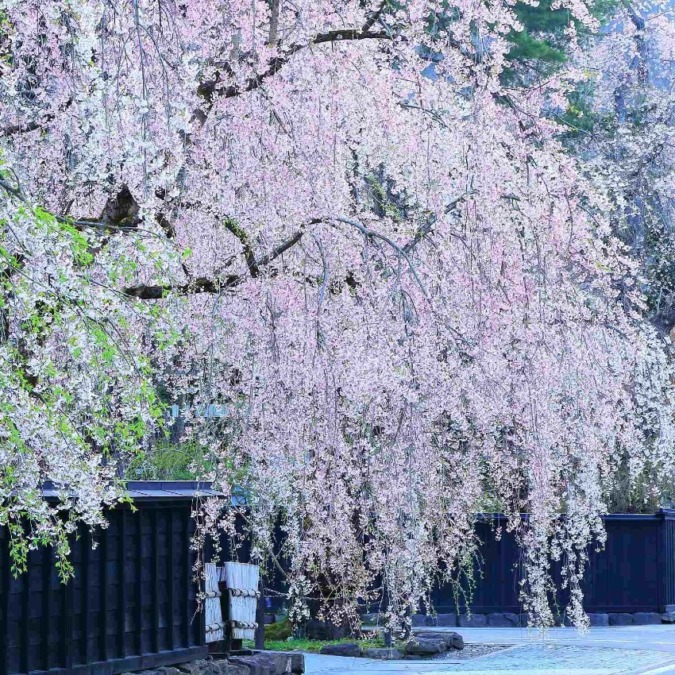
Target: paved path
647, 650
657, 638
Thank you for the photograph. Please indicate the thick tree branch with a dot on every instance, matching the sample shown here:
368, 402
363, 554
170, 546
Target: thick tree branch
249, 255
283, 247
375, 16
33, 125
24, 128
255, 265
209, 90
121, 210
194, 287
217, 285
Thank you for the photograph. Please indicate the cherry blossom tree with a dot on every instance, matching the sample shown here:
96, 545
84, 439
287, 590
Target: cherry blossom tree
629, 145
335, 217
625, 139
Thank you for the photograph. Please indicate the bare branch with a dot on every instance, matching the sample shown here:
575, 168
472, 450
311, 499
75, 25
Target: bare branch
219, 284
194, 287
424, 229
13, 190
371, 234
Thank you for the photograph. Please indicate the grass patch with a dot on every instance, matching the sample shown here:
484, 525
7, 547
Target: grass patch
313, 646
278, 631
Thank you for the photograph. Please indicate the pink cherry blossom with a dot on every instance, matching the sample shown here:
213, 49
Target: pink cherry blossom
404, 287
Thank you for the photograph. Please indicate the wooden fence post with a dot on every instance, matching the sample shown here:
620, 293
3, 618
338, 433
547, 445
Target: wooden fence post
260, 617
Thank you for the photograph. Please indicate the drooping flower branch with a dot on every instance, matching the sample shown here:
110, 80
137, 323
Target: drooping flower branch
381, 260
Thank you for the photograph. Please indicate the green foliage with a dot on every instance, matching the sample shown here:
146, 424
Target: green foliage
5, 37
645, 493
541, 45
527, 47
383, 202
281, 630
579, 116
165, 460
542, 26
76, 387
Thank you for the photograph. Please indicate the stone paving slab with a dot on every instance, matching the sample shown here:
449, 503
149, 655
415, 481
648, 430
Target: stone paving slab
652, 638
630, 650
532, 659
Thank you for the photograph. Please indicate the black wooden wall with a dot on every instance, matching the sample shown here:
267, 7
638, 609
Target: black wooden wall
634, 573
131, 605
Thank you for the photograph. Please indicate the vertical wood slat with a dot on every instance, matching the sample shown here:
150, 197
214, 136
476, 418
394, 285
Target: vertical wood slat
46, 604
85, 619
200, 625
25, 619
670, 555
5, 580
198, 618
659, 572
139, 515
186, 582
666, 571
667, 578
155, 582
122, 588
669, 590
103, 590
170, 577
67, 625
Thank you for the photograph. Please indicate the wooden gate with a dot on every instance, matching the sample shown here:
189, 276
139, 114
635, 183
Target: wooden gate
242, 581
214, 615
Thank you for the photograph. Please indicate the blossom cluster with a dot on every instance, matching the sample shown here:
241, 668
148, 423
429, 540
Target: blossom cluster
384, 262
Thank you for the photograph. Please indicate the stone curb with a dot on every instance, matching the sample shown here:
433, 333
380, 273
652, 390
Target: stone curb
258, 663
511, 620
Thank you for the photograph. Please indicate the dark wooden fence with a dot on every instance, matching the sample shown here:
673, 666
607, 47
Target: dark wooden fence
131, 605
634, 573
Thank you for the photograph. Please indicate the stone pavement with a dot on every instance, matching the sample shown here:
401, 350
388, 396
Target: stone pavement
656, 638
629, 650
